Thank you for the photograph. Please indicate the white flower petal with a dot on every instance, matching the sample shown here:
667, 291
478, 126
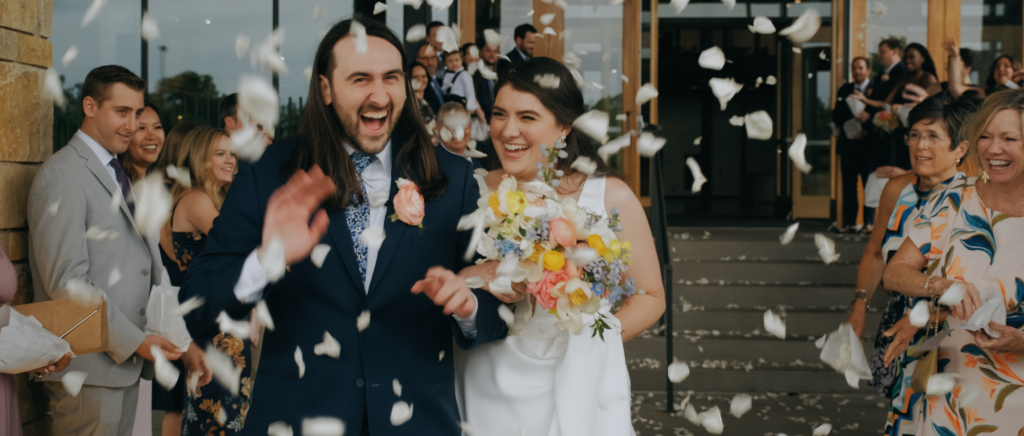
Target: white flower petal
189, 305
697, 140
506, 314
439, 5
440, 355
585, 165
257, 98
740, 405
762, 25
73, 381
416, 33
238, 329
953, 295
737, 120
329, 347
804, 28
724, 89
52, 209
308, 72
548, 81
501, 285
822, 430
241, 45
711, 420
263, 315
475, 282
363, 321
379, 7
698, 177
712, 59
774, 325
115, 276
267, 55
919, 314
323, 426
372, 238
180, 175
941, 384
319, 254
54, 88
83, 293
678, 371
759, 125
318, 12
272, 260
223, 368
69, 56
648, 145
300, 362
645, 94
593, 124
690, 413
770, 80
820, 343
397, 387
486, 72
401, 413
546, 19
612, 147
679, 5
166, 374
582, 255
446, 36
93, 12
549, 31
358, 31
826, 248
414, 3
787, 237
796, 153
150, 30
730, 3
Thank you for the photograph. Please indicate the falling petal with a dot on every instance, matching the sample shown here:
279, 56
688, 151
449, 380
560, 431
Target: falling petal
712, 59
787, 237
582, 255
648, 144
804, 28
822, 430
440, 355
740, 405
736, 120
318, 12
329, 347
52, 210
625, 79
941, 384
446, 36
372, 238
439, 5
820, 343
594, 124
397, 387
549, 81
759, 125
697, 141
263, 315
690, 413
258, 99
797, 50
150, 30
323, 426
94, 233
363, 321
189, 305
492, 37
796, 153
414, 3
166, 374
73, 381
472, 152
585, 165
115, 276
770, 80
645, 94
506, 315
401, 413
485, 72
730, 3
241, 45
679, 5
698, 177
69, 56
549, 31
678, 371
821, 54
54, 88
222, 416
711, 419
180, 175
919, 314
308, 72
266, 55
612, 147
416, 33
379, 7
953, 295
724, 89
319, 254
93, 12
280, 428
758, 82
300, 362
546, 19
826, 248
238, 329
475, 282
223, 368
358, 31
192, 384
774, 325
272, 260
881, 9
115, 203
762, 25
83, 293
466, 429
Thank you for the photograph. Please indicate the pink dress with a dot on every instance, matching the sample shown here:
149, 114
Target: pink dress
10, 421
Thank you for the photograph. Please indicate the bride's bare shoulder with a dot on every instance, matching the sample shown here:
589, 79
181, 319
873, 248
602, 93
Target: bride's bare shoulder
618, 194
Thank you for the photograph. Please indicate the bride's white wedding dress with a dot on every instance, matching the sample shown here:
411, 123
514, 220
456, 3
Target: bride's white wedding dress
547, 381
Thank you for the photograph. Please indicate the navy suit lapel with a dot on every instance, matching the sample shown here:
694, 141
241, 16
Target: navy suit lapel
342, 237
393, 231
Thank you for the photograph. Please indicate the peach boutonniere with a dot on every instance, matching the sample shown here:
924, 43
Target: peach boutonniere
408, 204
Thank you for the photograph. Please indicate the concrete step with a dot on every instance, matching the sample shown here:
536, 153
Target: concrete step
760, 251
715, 297
772, 351
770, 414
807, 273
805, 233
798, 380
742, 323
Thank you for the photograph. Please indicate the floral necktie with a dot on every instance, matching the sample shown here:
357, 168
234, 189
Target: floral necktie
357, 215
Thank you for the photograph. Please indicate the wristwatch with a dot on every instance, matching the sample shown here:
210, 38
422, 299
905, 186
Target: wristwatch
861, 295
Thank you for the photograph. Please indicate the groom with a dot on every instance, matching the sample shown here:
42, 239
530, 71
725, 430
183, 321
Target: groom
358, 137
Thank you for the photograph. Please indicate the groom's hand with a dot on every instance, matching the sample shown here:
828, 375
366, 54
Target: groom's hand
289, 209
447, 289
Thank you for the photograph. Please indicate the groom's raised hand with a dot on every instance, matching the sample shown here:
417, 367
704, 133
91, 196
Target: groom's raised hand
289, 209
447, 289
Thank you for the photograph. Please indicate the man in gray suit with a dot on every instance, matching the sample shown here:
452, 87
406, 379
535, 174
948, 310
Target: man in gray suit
74, 191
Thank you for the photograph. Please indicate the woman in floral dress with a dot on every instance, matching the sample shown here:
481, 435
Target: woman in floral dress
973, 233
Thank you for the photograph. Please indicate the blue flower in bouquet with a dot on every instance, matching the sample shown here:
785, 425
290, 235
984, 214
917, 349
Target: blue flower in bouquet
538, 234
506, 246
598, 268
614, 293
598, 289
630, 286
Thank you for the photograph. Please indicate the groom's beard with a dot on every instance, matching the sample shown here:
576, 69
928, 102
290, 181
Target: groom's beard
371, 143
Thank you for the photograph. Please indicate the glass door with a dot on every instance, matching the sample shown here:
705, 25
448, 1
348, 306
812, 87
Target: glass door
812, 79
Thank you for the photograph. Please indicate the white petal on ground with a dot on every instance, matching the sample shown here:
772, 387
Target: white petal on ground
83, 293
93, 12
787, 237
52, 209
690, 413
953, 295
774, 325
397, 387
612, 147
919, 314
585, 165
180, 175
741, 404
697, 140
820, 343
804, 28
299, 361
678, 371
648, 145
941, 384
737, 120
54, 88
759, 125
363, 321
318, 12
593, 124
69, 56
379, 7
257, 98
416, 33
679, 5
263, 315
712, 59
280, 428
546, 19
548, 81
115, 276
150, 30
223, 368
724, 89
770, 80
492, 37
645, 94
711, 420
323, 426
506, 314
826, 248
796, 153
238, 329
272, 260
372, 238
241, 45
822, 430
329, 347
401, 413
698, 177
762, 25
319, 254
358, 31
73, 380
166, 374
189, 305
449, 42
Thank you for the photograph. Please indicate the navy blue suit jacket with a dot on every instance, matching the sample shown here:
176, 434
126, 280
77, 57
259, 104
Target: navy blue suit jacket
407, 332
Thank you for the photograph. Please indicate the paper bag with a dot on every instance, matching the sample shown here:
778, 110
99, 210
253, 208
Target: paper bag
856, 106
25, 345
59, 316
162, 316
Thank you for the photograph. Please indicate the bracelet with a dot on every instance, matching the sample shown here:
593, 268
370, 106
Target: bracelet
927, 287
861, 295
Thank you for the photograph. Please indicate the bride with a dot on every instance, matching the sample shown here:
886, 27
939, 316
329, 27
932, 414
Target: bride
546, 381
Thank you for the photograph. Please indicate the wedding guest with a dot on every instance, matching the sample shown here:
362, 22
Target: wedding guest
360, 133
855, 157
485, 87
958, 69
883, 146
420, 80
1005, 73
78, 181
145, 146
525, 37
970, 234
457, 85
436, 44
10, 420
519, 384
425, 56
451, 116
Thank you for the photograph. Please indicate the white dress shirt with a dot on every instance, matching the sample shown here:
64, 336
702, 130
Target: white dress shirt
376, 177
862, 86
462, 87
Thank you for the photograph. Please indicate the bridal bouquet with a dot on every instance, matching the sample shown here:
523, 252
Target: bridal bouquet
568, 257
885, 121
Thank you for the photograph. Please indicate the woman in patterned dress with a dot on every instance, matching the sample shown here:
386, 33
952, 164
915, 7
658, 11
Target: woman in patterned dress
972, 233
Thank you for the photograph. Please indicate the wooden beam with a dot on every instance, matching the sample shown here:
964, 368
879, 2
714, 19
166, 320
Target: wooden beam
467, 21
943, 22
552, 46
631, 46
837, 74
653, 64
858, 37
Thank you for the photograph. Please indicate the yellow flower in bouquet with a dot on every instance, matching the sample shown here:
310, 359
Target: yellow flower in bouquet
553, 260
595, 242
516, 201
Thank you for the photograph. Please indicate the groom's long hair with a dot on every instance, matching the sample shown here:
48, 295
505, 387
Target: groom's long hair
321, 132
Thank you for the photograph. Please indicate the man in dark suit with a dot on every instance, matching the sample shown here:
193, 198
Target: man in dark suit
485, 87
525, 37
433, 96
855, 151
367, 138
885, 147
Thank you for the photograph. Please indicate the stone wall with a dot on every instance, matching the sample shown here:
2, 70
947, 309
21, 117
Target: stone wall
26, 140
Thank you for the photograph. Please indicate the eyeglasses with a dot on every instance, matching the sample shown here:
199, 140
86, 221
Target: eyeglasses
913, 138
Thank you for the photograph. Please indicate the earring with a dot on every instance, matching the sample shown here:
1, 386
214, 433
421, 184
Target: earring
560, 143
984, 176
957, 161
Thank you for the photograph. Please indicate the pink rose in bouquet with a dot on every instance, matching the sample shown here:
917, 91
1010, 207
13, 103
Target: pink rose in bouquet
542, 289
562, 232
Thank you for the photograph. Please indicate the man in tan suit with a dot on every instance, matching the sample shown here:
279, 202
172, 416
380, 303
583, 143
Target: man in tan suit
72, 192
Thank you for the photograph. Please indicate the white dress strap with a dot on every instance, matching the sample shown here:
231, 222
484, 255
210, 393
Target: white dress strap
592, 197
